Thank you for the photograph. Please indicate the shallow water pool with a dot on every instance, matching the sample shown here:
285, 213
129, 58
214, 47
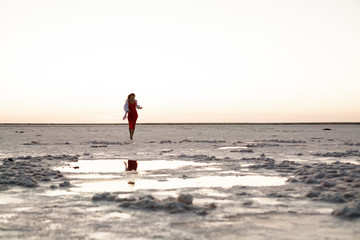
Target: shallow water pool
110, 176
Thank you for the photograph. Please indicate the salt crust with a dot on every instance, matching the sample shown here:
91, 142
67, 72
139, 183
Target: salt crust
29, 171
182, 204
191, 141
336, 182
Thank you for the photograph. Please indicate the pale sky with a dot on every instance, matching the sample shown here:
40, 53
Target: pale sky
75, 61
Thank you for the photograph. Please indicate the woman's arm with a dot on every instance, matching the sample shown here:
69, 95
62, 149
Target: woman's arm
137, 105
126, 109
126, 106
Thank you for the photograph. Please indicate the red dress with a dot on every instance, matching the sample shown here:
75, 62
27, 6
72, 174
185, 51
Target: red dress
132, 115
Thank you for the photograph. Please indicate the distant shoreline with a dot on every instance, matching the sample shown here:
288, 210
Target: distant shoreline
215, 123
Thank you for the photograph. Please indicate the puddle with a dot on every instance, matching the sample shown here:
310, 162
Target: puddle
6, 199
117, 215
110, 176
230, 181
55, 193
22, 209
5, 217
102, 235
266, 201
213, 193
89, 176
133, 184
117, 166
212, 169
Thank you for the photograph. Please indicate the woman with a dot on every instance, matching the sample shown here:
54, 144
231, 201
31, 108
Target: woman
130, 110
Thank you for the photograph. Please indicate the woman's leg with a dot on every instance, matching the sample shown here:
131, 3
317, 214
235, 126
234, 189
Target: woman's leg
131, 126
132, 121
131, 133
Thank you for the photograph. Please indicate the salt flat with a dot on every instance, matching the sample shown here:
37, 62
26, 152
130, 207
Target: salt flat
244, 182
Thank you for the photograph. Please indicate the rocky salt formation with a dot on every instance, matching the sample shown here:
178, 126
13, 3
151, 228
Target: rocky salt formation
243, 151
31, 171
350, 210
272, 143
352, 144
201, 141
107, 143
166, 142
260, 145
166, 151
268, 162
282, 141
348, 153
103, 144
182, 204
33, 143
336, 182
200, 157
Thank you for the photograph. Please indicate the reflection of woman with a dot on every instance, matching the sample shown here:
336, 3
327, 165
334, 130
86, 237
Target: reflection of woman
131, 165
130, 110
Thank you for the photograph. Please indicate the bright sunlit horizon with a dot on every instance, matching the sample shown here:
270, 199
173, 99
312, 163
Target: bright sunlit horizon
186, 61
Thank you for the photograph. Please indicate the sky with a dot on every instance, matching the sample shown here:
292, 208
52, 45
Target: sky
75, 61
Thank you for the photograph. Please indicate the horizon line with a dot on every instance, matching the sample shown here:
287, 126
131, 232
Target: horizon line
197, 123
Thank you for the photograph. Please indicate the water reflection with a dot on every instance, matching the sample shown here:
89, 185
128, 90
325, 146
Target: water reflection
178, 183
111, 166
131, 165
87, 176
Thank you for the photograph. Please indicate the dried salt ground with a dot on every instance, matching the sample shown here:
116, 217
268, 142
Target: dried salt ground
242, 211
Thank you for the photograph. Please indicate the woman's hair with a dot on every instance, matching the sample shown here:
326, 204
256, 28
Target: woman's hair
131, 94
